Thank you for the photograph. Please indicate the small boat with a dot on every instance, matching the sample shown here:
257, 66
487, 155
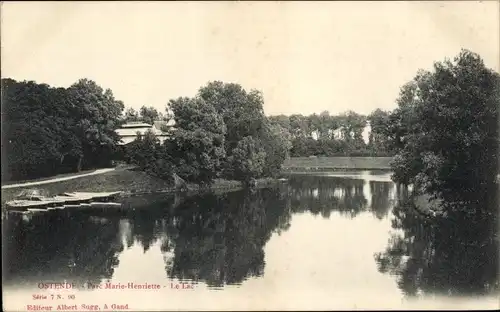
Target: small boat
40, 200
33, 199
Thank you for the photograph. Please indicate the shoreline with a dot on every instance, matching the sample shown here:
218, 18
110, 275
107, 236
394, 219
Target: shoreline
136, 183
327, 169
132, 184
336, 163
220, 185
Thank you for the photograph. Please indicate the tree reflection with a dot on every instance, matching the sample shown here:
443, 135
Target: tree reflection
323, 194
57, 247
220, 239
216, 239
149, 223
381, 202
455, 255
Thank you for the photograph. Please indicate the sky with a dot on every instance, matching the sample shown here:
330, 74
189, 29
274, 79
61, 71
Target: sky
306, 57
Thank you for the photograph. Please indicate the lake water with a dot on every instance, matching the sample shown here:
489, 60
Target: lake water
322, 241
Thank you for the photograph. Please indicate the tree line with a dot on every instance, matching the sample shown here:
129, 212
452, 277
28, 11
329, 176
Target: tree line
48, 130
315, 135
336, 135
222, 132
443, 133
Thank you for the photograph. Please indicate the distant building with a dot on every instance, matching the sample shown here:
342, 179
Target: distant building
128, 132
366, 132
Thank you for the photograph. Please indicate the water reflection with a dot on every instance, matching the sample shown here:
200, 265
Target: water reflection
381, 198
220, 240
349, 196
456, 255
60, 247
215, 239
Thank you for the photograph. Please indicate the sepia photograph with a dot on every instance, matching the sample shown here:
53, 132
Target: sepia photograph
250, 155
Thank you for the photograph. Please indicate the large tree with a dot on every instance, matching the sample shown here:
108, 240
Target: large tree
99, 115
197, 145
50, 130
241, 111
243, 114
31, 129
447, 131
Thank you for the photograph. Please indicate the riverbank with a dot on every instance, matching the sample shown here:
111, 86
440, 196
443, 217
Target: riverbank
130, 182
336, 163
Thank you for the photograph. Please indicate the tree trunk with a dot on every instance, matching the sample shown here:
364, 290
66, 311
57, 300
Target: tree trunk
79, 164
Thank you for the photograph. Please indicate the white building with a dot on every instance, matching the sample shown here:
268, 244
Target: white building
128, 132
338, 133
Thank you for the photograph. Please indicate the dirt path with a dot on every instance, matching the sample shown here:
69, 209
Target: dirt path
100, 171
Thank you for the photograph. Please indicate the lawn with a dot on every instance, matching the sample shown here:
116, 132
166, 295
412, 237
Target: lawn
118, 180
318, 163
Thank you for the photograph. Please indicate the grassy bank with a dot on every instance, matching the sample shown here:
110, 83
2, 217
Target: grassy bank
128, 181
62, 175
336, 163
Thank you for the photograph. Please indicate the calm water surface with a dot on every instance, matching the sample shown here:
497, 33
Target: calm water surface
323, 241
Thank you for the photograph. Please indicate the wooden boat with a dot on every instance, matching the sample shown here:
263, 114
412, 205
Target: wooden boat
36, 200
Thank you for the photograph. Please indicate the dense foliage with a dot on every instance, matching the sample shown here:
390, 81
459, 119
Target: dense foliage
340, 135
47, 130
445, 130
222, 132
145, 114
197, 144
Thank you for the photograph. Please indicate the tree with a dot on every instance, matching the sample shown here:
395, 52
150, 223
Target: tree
197, 145
131, 115
243, 115
378, 138
150, 156
299, 126
248, 160
353, 125
142, 151
277, 144
242, 111
282, 120
99, 116
149, 114
31, 129
52, 130
447, 132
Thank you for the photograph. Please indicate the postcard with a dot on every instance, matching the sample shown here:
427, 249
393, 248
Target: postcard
248, 155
